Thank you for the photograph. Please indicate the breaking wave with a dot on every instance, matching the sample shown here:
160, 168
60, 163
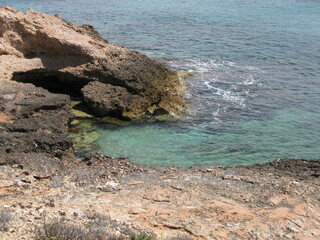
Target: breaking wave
217, 87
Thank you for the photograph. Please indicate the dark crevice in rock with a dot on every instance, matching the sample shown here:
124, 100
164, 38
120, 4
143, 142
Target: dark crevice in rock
49, 107
53, 81
160, 112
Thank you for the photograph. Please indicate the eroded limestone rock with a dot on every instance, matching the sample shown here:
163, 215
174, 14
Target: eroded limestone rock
127, 84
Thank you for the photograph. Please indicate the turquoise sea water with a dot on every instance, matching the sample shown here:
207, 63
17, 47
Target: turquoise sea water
255, 93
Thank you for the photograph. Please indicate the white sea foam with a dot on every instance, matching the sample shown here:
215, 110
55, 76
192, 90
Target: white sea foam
197, 65
207, 65
252, 68
229, 96
249, 80
216, 115
207, 84
217, 87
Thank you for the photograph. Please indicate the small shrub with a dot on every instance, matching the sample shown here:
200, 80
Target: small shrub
142, 236
98, 222
5, 218
60, 230
97, 227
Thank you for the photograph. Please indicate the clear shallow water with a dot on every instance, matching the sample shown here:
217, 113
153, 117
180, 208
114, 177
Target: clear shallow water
255, 93
250, 141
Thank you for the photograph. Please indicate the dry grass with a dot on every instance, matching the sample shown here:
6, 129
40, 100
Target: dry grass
60, 229
5, 218
98, 227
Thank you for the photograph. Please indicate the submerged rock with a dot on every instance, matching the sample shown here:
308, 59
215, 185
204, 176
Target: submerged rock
72, 59
84, 135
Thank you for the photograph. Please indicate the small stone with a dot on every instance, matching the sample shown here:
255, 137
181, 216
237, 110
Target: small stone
58, 16
137, 211
292, 228
112, 184
41, 210
62, 213
298, 222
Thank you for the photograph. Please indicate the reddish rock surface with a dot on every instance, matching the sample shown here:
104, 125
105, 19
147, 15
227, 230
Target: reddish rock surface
250, 202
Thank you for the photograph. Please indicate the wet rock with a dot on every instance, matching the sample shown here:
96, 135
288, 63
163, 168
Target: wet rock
84, 135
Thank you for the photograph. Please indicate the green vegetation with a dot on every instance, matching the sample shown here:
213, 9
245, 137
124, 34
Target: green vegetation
84, 136
142, 236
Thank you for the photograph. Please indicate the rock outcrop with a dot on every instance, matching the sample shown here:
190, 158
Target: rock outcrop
276, 201
67, 58
32, 120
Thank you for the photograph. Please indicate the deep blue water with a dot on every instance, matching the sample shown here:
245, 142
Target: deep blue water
255, 93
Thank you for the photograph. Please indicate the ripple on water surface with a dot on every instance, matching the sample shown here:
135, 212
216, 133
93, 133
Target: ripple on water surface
289, 134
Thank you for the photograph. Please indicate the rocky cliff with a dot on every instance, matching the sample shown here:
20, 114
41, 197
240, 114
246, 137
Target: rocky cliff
66, 58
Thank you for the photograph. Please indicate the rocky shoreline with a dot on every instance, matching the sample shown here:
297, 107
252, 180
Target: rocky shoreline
41, 177
65, 58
